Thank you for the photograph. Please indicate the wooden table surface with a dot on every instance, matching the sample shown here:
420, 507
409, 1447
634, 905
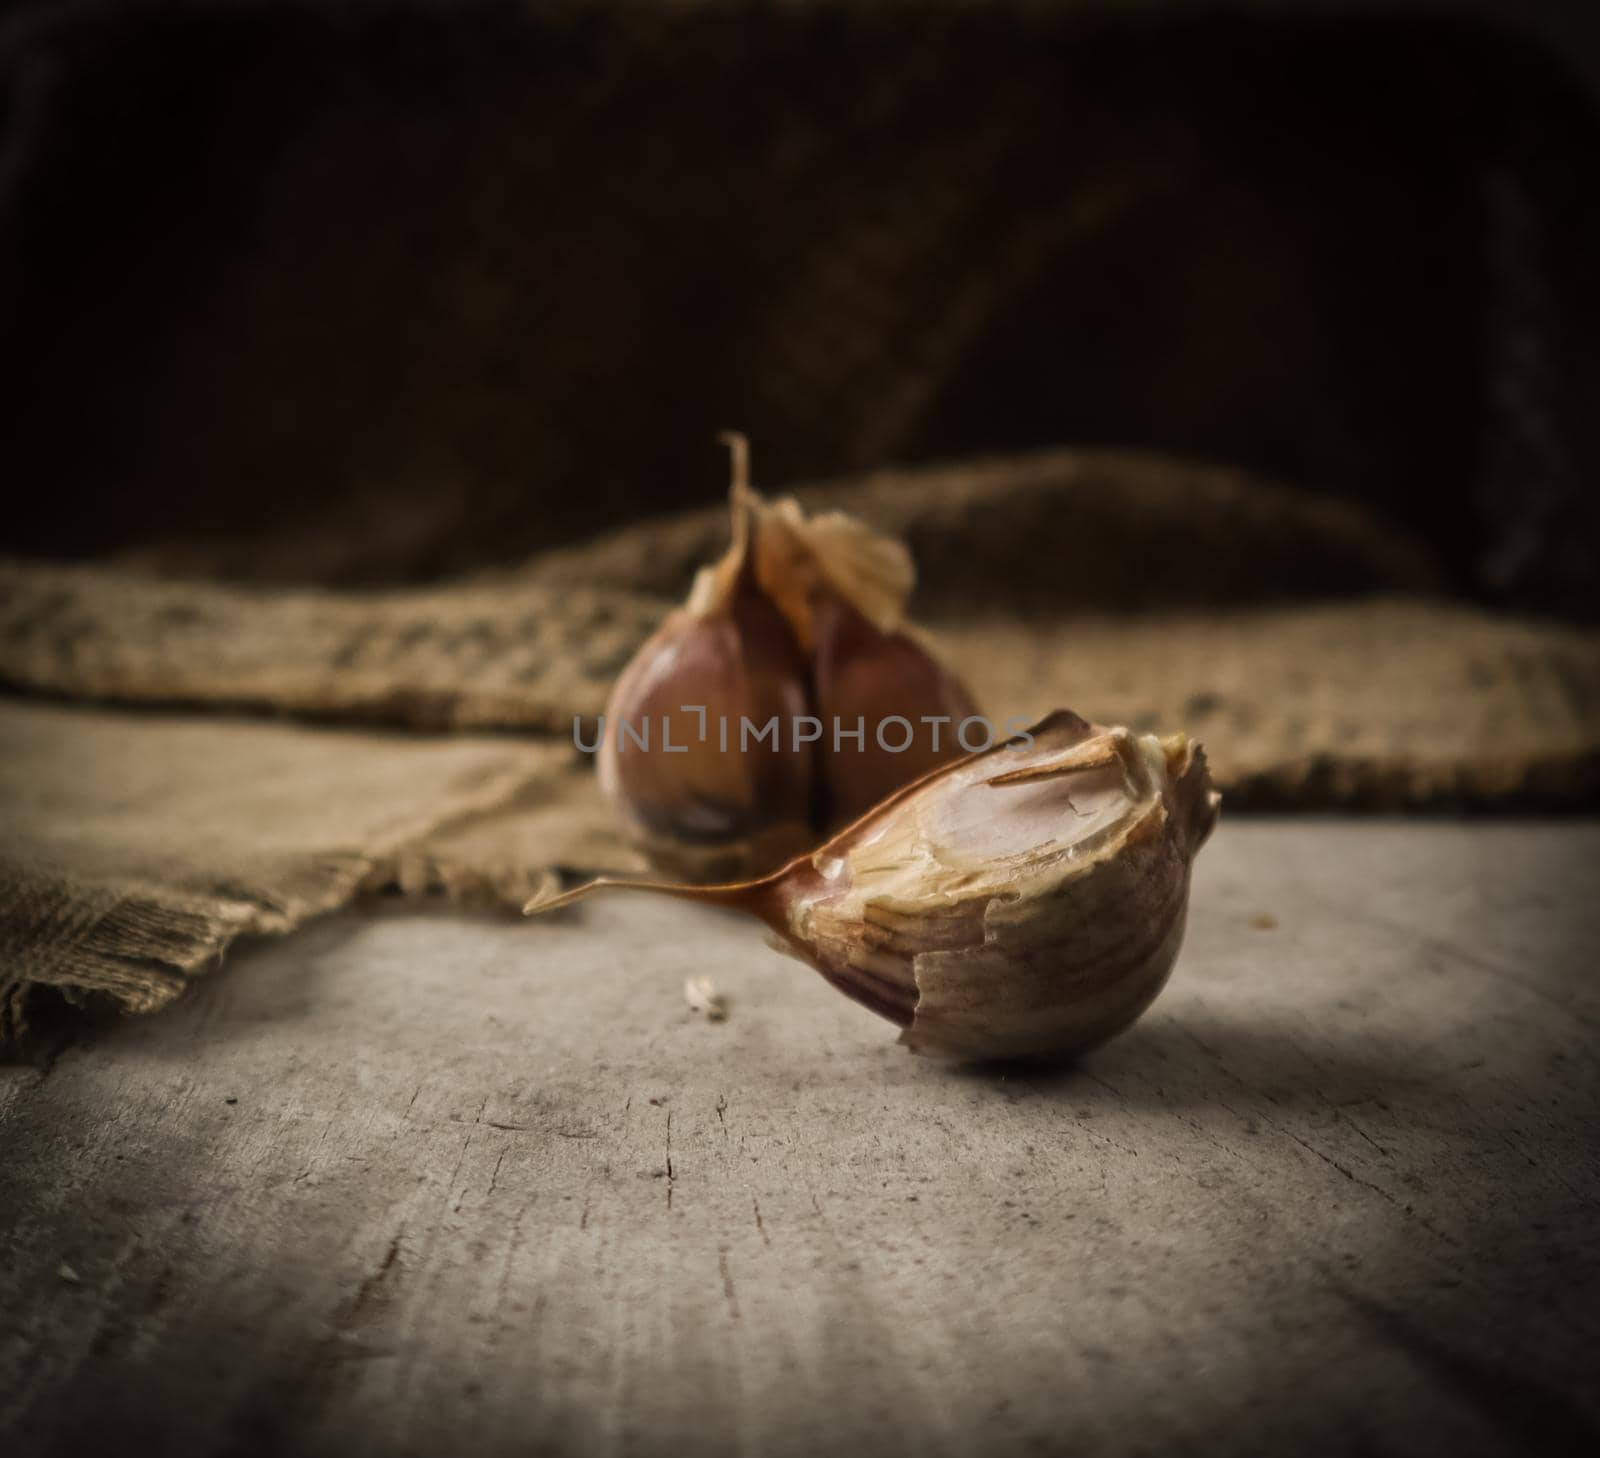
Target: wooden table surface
413, 1182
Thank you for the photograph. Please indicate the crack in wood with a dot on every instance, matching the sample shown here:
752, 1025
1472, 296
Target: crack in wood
1408, 1211
670, 1175
371, 1290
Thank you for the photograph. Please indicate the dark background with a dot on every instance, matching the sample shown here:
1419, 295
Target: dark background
370, 294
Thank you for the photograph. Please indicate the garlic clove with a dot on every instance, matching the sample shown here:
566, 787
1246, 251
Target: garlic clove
1067, 892
1027, 901
694, 809
696, 802
866, 679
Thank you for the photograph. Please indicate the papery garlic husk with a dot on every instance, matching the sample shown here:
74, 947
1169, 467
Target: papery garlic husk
705, 810
843, 589
1027, 901
800, 560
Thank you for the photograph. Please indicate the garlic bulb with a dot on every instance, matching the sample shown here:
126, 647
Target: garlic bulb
801, 623
1026, 901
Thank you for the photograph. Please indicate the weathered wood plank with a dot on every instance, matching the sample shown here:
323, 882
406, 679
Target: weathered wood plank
414, 1183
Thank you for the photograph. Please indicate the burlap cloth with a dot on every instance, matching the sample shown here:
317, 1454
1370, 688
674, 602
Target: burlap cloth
157, 803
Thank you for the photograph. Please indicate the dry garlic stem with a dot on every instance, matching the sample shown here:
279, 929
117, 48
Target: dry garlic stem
1026, 901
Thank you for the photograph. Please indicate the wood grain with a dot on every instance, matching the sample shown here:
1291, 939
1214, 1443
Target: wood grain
412, 1183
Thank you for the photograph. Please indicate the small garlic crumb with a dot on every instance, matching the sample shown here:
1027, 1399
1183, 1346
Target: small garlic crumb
702, 996
66, 1273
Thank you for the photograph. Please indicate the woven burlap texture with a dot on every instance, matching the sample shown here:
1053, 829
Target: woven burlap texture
141, 837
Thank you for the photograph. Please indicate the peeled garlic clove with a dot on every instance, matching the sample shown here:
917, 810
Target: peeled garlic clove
885, 688
1027, 901
699, 803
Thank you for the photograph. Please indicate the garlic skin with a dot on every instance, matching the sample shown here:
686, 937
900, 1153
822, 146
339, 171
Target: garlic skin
801, 562
1025, 902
